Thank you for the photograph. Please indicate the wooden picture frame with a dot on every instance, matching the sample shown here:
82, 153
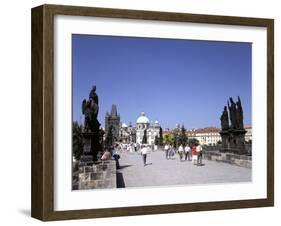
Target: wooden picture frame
42, 203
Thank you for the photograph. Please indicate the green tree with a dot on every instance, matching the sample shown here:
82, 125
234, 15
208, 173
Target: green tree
192, 142
168, 138
176, 134
144, 138
183, 136
161, 137
77, 140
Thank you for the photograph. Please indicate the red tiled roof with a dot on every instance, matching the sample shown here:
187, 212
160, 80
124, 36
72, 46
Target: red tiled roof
205, 130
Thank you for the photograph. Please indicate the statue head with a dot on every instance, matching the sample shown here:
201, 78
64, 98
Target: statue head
239, 100
224, 109
92, 94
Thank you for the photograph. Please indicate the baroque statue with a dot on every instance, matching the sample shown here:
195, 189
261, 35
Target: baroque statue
90, 109
224, 119
92, 134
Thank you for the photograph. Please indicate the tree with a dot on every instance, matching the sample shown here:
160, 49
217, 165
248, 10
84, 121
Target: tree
77, 140
144, 138
168, 138
183, 136
176, 134
192, 142
160, 137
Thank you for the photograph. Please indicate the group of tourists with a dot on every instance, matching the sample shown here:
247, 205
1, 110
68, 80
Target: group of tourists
194, 153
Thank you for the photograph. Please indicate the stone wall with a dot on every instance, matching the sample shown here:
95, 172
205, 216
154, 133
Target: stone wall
236, 159
97, 176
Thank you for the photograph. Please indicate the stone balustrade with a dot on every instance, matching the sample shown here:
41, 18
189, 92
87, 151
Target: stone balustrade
236, 159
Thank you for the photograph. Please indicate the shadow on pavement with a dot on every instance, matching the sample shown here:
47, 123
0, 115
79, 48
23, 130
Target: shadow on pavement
125, 166
120, 180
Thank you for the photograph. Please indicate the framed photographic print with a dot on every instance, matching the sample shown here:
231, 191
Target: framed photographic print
141, 112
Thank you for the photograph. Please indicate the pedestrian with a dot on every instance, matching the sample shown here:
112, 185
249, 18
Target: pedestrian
199, 155
180, 151
132, 147
187, 152
194, 154
166, 149
144, 154
106, 155
171, 152
115, 155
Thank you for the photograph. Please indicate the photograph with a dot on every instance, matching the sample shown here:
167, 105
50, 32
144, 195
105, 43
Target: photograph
158, 112
138, 112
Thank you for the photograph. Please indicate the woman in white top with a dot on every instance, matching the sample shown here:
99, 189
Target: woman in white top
187, 151
144, 154
180, 151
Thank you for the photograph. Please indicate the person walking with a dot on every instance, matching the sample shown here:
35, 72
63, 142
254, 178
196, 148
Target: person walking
171, 152
187, 152
144, 154
115, 155
194, 154
199, 155
180, 151
166, 149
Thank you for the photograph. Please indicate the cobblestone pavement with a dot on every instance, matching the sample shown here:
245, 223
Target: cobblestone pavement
160, 172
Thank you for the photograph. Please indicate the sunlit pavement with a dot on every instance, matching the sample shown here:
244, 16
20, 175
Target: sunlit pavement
161, 172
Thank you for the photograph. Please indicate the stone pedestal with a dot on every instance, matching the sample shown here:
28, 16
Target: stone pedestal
87, 158
233, 141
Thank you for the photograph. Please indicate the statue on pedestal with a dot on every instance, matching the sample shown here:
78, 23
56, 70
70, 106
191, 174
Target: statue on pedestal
91, 132
233, 135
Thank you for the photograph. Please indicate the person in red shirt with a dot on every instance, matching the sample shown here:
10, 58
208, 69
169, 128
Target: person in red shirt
194, 154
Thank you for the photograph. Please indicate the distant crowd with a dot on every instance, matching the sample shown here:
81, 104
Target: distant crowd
192, 153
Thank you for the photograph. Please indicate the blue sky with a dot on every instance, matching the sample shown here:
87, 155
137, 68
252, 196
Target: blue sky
172, 81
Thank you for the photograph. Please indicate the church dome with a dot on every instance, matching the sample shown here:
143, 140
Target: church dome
143, 119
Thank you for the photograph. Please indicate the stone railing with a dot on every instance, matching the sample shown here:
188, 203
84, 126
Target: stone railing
98, 176
239, 160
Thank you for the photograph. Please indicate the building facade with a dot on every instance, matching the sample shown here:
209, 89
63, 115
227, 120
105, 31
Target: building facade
210, 135
206, 136
127, 133
152, 129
